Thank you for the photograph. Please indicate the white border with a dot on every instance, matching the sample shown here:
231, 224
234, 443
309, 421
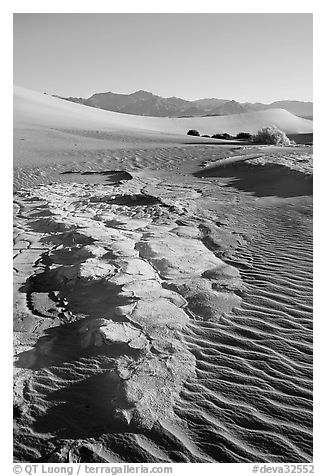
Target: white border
170, 6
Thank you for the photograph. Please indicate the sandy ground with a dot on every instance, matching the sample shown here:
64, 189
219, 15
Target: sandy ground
162, 298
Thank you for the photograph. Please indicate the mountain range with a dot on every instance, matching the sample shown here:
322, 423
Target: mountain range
143, 103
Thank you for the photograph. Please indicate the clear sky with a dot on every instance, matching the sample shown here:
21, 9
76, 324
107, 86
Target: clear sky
246, 57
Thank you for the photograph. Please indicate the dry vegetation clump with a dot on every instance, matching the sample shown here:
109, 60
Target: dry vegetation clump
193, 132
223, 135
271, 135
243, 135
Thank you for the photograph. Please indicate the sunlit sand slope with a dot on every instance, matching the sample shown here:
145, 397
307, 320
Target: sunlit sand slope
162, 302
36, 109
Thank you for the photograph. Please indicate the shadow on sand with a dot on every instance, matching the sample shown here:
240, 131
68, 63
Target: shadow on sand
112, 177
263, 180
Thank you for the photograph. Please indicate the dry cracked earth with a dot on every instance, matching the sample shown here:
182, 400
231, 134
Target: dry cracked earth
164, 315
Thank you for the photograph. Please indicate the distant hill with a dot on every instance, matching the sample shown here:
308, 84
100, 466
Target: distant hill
41, 111
141, 103
144, 103
229, 107
299, 108
208, 104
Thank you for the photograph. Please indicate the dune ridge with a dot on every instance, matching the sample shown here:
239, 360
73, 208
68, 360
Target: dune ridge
163, 293
36, 109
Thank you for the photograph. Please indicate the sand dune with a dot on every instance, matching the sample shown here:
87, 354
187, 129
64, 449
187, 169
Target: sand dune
36, 109
162, 303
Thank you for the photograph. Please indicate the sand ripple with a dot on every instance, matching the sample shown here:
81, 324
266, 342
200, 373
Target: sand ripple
122, 287
253, 397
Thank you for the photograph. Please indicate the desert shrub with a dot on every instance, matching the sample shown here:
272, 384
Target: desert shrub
205, 135
193, 132
224, 135
271, 135
243, 135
